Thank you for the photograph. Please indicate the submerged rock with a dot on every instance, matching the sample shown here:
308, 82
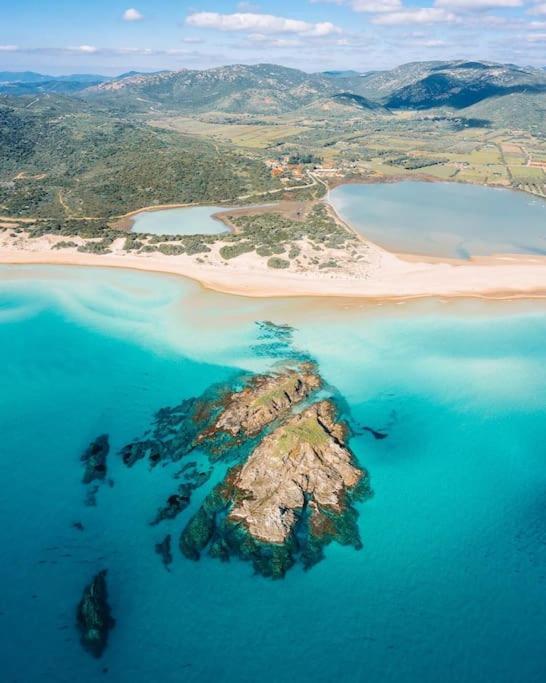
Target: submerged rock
175, 504
378, 435
163, 549
94, 458
93, 615
179, 501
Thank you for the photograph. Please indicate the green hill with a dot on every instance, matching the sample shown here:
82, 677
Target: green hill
60, 157
263, 88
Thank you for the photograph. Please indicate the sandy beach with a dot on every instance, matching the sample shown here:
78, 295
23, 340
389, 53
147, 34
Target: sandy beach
378, 275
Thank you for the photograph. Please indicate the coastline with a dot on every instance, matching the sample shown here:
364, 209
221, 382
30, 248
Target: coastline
391, 277
377, 274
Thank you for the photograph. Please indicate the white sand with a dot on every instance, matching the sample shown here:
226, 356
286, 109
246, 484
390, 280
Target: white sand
375, 274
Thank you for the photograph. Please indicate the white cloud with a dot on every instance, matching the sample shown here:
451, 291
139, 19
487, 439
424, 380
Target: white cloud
422, 15
86, 49
536, 25
8, 48
270, 41
132, 14
539, 9
260, 23
477, 5
537, 38
432, 42
376, 6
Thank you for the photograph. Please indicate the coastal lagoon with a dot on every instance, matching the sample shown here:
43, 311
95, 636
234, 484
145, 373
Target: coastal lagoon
451, 580
191, 220
444, 219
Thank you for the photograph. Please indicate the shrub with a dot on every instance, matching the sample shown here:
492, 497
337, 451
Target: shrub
171, 249
294, 252
230, 251
276, 262
65, 244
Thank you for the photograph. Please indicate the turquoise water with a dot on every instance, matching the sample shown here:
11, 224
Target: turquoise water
194, 220
450, 584
444, 219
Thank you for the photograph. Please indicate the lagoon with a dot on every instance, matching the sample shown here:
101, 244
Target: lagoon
191, 220
444, 219
450, 582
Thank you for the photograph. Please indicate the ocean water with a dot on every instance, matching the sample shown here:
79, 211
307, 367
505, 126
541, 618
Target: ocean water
444, 219
451, 582
193, 220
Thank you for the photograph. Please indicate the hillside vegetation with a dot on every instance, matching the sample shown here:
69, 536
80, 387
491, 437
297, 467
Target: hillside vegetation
103, 147
80, 162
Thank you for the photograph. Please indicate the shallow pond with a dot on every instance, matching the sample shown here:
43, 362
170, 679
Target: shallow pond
191, 220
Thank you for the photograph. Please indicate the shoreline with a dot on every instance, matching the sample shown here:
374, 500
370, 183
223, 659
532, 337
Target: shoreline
381, 276
478, 280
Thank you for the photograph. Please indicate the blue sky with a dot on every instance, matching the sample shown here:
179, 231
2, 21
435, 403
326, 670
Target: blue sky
108, 36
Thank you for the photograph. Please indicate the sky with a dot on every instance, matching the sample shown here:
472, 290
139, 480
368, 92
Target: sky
111, 36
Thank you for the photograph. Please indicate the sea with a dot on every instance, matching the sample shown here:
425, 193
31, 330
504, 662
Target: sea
450, 584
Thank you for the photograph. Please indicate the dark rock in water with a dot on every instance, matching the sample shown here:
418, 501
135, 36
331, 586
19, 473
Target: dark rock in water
175, 504
78, 525
93, 615
91, 496
198, 533
135, 451
180, 500
375, 433
95, 459
277, 341
163, 549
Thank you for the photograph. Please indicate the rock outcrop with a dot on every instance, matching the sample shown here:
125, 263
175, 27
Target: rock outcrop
93, 615
265, 399
293, 488
224, 417
304, 462
291, 497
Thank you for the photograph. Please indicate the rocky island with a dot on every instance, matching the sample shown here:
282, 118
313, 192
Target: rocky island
291, 497
292, 489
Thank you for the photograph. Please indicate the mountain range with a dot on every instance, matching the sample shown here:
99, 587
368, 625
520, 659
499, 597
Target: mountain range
273, 89
267, 89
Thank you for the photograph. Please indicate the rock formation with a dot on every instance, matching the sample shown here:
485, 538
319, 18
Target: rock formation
224, 417
266, 398
93, 615
303, 462
290, 498
293, 488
